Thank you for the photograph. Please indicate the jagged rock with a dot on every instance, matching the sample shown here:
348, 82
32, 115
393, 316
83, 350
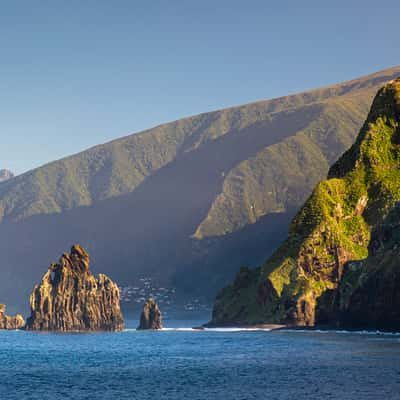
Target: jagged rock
7, 322
70, 298
151, 316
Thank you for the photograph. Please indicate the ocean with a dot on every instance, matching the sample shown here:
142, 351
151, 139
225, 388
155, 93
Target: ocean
180, 363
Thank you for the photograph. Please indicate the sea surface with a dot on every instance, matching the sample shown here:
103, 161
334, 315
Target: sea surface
180, 363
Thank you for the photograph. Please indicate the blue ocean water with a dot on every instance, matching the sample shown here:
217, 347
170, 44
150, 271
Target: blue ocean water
184, 364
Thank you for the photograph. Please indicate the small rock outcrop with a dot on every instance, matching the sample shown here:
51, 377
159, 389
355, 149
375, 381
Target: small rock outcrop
71, 299
7, 322
151, 316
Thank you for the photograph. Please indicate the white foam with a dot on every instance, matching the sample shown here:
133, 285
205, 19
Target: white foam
341, 332
184, 329
233, 329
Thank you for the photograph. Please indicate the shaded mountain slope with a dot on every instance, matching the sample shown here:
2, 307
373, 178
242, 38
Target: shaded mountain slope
339, 262
187, 202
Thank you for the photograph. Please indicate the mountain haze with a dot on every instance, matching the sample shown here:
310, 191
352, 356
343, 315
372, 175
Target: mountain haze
186, 202
5, 175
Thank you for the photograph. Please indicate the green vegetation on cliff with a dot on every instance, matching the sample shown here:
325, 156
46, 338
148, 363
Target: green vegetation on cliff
331, 231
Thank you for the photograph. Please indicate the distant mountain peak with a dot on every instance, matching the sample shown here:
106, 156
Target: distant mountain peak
5, 175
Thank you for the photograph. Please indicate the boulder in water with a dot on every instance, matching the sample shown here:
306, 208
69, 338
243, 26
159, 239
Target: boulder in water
151, 316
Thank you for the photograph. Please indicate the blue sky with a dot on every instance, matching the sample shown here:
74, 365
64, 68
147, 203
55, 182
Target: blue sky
78, 73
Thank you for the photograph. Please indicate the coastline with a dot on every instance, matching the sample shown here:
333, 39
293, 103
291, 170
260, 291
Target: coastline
270, 327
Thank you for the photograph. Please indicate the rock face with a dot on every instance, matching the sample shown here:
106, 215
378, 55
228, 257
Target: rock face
368, 296
151, 316
7, 322
340, 264
71, 299
5, 175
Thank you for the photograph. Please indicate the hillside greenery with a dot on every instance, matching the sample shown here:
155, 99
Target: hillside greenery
331, 230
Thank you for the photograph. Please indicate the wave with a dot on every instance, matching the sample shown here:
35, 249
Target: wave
341, 332
288, 330
184, 329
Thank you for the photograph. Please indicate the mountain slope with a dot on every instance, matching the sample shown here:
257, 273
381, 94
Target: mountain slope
118, 167
5, 175
187, 202
329, 265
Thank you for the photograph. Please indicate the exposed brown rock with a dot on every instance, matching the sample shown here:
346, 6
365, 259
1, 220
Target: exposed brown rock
151, 316
70, 298
7, 322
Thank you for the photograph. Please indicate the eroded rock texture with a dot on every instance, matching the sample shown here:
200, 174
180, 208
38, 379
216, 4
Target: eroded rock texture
151, 316
7, 322
70, 298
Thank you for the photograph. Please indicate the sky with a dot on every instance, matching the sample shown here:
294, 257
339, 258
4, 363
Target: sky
74, 74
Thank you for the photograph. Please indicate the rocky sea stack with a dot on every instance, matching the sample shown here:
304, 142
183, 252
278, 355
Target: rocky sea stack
151, 316
340, 264
71, 299
7, 322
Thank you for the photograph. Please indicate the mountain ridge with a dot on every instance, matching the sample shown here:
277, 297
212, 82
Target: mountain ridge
99, 172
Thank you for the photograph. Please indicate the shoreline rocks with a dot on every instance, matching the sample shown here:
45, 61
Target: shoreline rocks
10, 322
71, 299
151, 317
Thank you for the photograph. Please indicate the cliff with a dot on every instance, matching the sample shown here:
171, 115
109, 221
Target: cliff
7, 322
336, 266
368, 296
151, 316
70, 298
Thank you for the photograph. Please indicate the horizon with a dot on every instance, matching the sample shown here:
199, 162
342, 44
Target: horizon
159, 63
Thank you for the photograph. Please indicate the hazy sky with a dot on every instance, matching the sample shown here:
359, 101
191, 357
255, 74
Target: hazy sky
77, 73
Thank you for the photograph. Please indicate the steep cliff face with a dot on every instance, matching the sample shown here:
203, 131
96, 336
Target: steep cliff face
307, 279
369, 295
70, 298
7, 322
151, 316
